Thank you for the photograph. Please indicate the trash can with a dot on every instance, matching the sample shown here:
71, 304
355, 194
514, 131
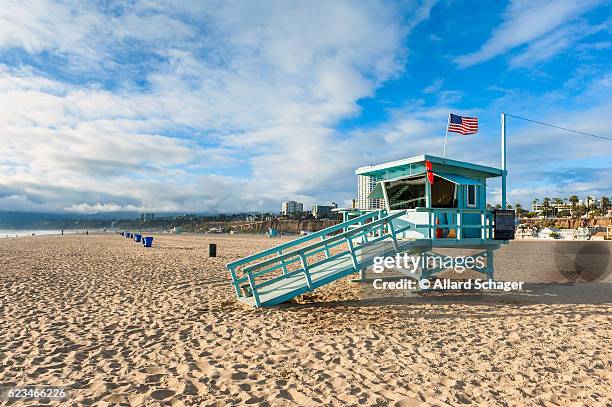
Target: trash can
147, 241
137, 237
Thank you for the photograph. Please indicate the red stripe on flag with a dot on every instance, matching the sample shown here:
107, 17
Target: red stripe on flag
468, 125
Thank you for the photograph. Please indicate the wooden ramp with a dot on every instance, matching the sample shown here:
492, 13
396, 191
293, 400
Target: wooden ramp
302, 265
296, 284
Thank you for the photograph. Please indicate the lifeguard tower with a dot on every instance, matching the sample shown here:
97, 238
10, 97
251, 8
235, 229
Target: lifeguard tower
429, 202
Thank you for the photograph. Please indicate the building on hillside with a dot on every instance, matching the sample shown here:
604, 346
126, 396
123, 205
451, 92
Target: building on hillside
553, 208
365, 186
591, 202
146, 216
323, 211
291, 207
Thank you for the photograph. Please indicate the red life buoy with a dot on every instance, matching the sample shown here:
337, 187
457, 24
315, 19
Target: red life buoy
429, 171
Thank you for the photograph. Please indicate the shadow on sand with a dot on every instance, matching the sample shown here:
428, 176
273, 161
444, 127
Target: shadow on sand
532, 294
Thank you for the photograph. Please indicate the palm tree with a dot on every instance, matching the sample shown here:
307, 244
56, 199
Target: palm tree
558, 202
546, 205
574, 200
588, 205
605, 204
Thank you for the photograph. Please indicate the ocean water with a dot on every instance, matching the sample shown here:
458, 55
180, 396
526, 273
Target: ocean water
28, 232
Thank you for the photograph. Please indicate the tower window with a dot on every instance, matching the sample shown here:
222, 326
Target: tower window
471, 196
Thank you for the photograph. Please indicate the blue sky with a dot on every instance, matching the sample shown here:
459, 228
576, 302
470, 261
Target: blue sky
235, 106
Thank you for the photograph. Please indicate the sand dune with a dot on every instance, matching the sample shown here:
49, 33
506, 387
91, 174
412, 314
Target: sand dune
120, 324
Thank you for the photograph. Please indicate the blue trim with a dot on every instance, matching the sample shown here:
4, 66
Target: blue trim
412, 162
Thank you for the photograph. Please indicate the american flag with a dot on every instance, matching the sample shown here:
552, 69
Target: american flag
463, 125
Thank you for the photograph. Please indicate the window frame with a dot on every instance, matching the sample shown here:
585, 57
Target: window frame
386, 184
455, 189
467, 196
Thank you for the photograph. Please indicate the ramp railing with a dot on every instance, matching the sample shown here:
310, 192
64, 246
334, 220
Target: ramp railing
301, 255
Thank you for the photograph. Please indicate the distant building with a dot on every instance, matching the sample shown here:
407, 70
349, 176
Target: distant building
146, 216
365, 185
323, 211
552, 207
591, 202
290, 207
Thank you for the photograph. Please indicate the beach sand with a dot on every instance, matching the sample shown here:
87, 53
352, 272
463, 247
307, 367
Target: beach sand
120, 324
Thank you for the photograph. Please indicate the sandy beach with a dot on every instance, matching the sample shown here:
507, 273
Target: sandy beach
120, 324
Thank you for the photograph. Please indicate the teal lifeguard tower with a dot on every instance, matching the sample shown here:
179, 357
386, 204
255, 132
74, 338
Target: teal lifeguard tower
428, 202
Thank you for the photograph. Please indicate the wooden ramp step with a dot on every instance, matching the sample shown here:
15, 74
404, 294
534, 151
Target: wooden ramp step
334, 269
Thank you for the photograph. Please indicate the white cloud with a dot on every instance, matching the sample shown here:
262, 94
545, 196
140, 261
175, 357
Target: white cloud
236, 113
223, 106
526, 21
74, 28
553, 43
435, 86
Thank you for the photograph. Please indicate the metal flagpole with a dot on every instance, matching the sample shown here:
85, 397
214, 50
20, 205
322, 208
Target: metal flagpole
503, 159
446, 136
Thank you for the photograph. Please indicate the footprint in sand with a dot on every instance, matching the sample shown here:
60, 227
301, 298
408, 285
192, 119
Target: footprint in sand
162, 394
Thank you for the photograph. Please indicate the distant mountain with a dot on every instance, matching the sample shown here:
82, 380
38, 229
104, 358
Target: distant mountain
37, 220
27, 220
